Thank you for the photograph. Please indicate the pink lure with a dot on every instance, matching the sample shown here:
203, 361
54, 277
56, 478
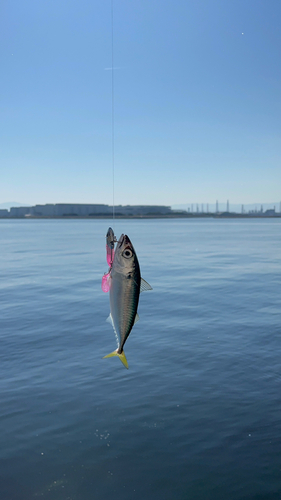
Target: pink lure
109, 254
106, 280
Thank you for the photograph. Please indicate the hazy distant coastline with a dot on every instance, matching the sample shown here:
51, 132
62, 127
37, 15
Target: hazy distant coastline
101, 211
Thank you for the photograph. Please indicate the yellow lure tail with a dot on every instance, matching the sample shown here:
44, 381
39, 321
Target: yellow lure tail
121, 356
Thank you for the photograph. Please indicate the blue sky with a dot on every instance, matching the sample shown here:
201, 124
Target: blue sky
197, 89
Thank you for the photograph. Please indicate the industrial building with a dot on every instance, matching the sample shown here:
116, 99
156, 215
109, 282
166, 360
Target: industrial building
85, 210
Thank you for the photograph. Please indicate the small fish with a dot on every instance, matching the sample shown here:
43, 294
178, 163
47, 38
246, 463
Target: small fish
110, 240
125, 287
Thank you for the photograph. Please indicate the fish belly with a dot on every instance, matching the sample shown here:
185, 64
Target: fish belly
124, 298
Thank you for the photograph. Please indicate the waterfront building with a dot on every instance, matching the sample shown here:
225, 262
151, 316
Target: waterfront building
84, 210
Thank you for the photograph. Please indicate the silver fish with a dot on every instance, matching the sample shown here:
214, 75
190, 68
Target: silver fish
125, 287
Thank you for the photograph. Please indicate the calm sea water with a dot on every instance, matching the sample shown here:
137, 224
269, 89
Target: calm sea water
198, 414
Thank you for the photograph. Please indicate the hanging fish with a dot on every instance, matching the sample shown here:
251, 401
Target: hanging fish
124, 290
110, 240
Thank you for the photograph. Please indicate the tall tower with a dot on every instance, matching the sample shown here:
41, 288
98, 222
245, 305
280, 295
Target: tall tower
227, 206
242, 209
208, 208
217, 206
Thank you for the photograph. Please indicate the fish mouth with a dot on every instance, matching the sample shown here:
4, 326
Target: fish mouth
124, 242
121, 240
127, 240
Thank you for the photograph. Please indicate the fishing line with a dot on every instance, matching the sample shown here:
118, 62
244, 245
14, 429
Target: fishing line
112, 115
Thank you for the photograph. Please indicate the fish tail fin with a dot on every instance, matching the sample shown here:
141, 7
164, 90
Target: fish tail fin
121, 356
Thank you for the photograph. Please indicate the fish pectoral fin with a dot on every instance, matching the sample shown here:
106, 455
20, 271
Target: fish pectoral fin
136, 318
145, 286
121, 356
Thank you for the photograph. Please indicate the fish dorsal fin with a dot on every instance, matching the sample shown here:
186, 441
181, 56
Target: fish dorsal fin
145, 286
136, 318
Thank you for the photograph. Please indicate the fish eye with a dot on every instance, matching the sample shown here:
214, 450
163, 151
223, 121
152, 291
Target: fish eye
127, 253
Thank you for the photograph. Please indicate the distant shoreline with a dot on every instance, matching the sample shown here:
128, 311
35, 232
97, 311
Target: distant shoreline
153, 216
101, 211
